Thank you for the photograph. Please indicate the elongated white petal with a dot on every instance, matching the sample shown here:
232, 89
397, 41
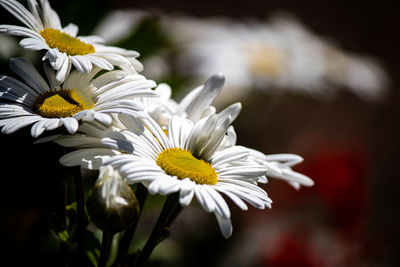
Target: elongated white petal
50, 17
22, 14
20, 31
82, 63
38, 128
100, 62
32, 44
221, 207
15, 124
63, 70
91, 158
18, 91
225, 225
204, 199
206, 96
24, 68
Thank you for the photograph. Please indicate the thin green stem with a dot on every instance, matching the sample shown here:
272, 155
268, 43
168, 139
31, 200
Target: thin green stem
106, 243
141, 195
169, 212
62, 213
80, 202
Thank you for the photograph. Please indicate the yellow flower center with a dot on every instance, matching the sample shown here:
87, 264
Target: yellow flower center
61, 104
183, 164
65, 42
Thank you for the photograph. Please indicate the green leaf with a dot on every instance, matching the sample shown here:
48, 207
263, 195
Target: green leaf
93, 247
58, 226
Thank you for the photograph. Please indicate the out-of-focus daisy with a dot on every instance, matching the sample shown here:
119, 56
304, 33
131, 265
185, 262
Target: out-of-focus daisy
49, 105
187, 160
63, 47
119, 24
279, 54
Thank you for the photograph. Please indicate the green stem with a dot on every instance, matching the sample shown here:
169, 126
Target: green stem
63, 185
80, 202
141, 194
106, 243
169, 212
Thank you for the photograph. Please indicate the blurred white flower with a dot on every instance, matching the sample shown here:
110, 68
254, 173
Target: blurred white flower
118, 24
279, 54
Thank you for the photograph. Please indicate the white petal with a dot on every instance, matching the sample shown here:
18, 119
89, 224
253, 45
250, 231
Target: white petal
238, 201
186, 192
229, 154
20, 31
288, 159
100, 62
77, 141
174, 131
204, 199
103, 118
113, 58
50, 17
38, 128
24, 68
22, 14
64, 70
222, 208
71, 124
34, 10
82, 63
51, 76
206, 96
91, 158
243, 171
18, 123
92, 39
292, 176
71, 29
32, 44
225, 225
17, 91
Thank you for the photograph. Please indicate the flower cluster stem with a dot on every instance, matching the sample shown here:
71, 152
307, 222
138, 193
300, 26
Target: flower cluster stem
126, 240
106, 243
169, 212
80, 202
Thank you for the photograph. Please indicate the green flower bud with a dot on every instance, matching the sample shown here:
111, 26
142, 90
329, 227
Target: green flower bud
112, 206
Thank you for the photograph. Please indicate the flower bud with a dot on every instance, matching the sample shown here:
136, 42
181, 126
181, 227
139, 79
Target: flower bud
112, 206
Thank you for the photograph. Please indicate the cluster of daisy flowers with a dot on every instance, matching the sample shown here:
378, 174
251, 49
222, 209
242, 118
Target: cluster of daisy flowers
93, 99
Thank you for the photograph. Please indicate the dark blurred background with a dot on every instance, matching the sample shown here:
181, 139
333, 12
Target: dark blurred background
349, 218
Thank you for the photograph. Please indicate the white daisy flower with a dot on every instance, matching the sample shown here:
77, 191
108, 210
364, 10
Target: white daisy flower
197, 104
63, 47
49, 105
186, 160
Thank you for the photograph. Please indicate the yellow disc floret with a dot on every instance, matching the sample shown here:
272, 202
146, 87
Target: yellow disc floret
183, 164
65, 42
60, 104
